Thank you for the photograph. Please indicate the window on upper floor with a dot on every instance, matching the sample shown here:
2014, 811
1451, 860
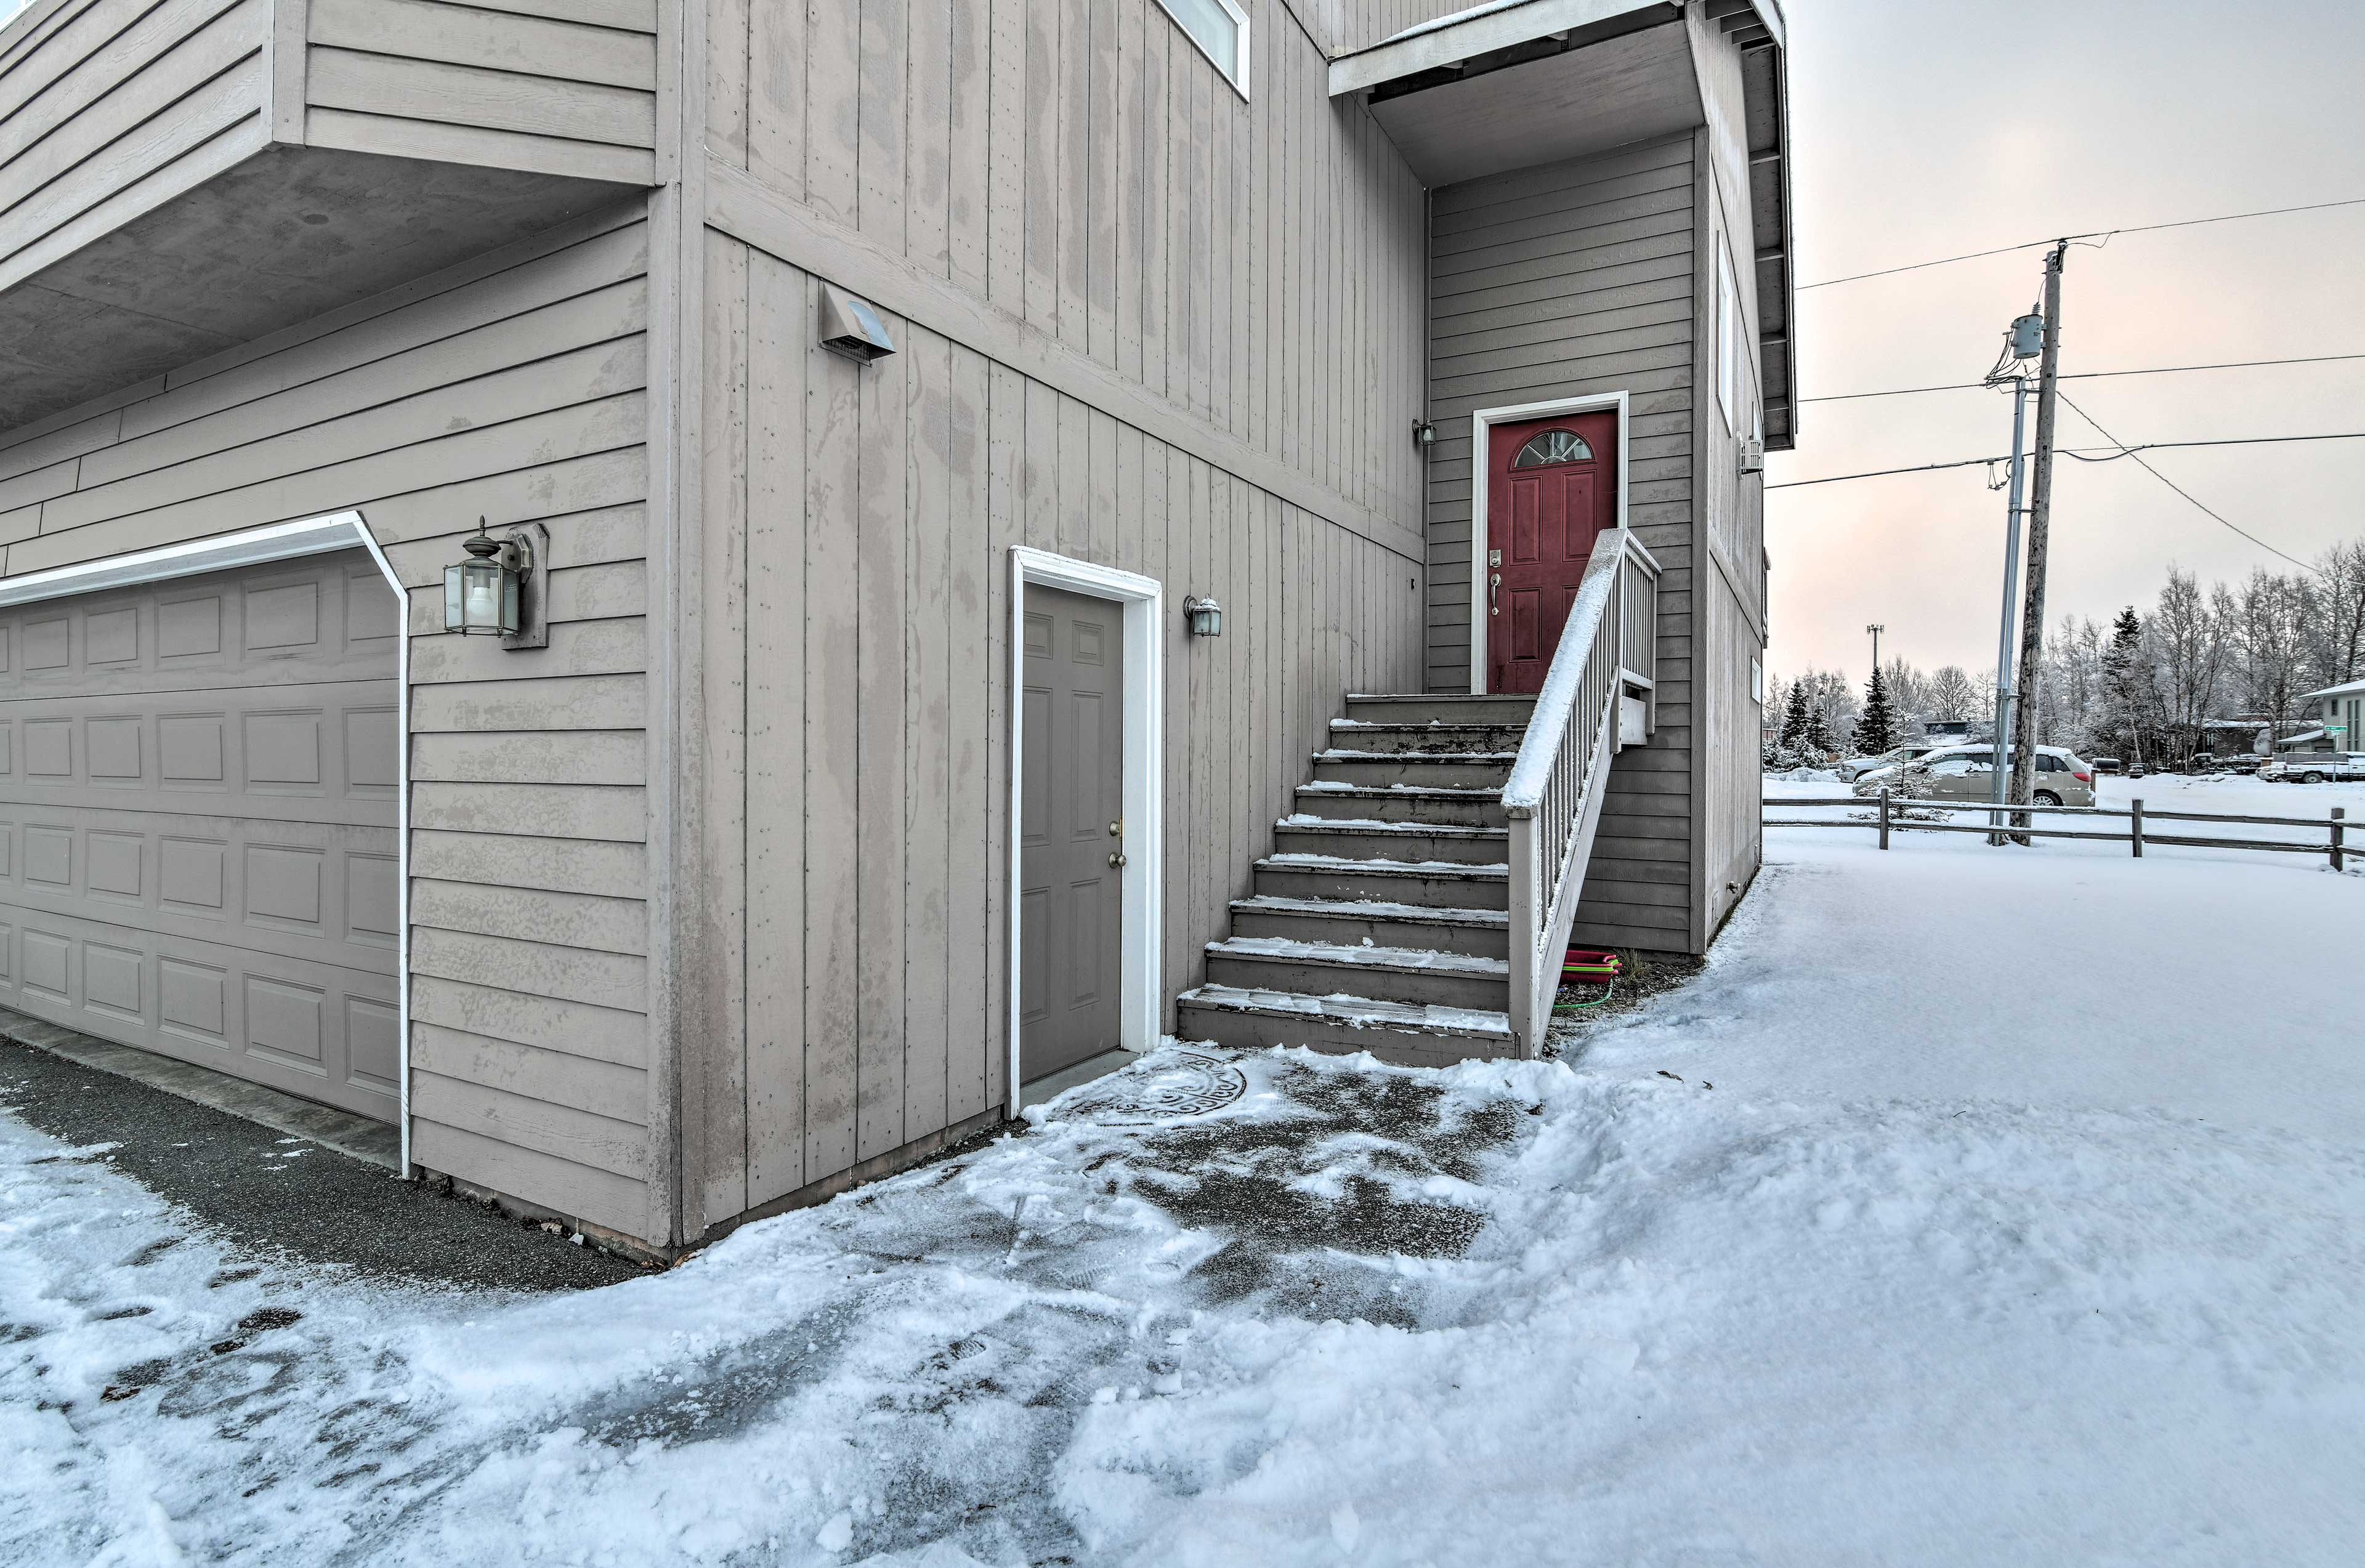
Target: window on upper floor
1220, 28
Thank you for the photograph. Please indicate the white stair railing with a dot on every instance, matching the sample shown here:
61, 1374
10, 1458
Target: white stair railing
1599, 695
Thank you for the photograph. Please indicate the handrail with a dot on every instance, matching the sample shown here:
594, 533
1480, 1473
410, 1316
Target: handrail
1554, 794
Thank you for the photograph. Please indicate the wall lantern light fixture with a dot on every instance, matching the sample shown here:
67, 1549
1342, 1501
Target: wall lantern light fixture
497, 590
1424, 435
1203, 616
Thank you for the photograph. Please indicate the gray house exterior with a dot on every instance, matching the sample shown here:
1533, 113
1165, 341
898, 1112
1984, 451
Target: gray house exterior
868, 747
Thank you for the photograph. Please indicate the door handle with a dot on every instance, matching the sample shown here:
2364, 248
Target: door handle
1116, 859
1494, 583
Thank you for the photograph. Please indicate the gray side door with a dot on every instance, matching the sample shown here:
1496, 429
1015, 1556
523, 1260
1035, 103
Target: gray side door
197, 799
1071, 791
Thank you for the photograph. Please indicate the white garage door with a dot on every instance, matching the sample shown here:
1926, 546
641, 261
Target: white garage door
197, 799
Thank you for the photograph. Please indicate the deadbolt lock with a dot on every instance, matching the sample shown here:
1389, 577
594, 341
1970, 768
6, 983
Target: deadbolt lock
1494, 557
1116, 828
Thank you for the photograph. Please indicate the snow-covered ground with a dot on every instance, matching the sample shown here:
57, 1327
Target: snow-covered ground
1975, 1206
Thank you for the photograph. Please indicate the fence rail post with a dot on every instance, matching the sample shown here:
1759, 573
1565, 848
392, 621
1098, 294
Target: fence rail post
2337, 813
2135, 836
1884, 816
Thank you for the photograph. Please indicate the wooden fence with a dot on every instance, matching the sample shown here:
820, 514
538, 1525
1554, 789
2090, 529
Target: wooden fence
2329, 833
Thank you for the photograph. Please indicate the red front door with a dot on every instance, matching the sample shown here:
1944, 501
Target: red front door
1552, 488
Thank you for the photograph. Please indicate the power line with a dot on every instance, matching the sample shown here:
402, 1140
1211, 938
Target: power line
2089, 375
2102, 234
2115, 452
2126, 451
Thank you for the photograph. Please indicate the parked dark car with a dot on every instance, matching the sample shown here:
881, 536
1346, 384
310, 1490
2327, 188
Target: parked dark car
2108, 765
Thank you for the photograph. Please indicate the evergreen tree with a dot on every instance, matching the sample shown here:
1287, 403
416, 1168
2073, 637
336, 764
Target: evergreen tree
1876, 728
1796, 718
2125, 679
1819, 733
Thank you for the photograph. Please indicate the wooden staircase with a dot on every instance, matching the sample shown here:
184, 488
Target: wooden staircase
1417, 902
1380, 919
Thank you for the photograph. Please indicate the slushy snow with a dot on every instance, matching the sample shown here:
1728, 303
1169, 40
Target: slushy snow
1974, 1208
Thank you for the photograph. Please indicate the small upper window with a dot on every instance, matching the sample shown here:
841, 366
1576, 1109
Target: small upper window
1553, 446
1220, 28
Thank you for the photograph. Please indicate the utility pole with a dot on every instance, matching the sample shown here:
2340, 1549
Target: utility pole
2000, 767
2040, 520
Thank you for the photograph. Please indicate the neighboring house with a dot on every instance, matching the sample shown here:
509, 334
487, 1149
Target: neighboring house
2232, 737
2339, 715
854, 761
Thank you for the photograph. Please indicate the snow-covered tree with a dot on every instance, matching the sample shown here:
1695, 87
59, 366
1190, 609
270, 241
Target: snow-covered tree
2273, 642
1819, 731
1952, 696
1876, 727
2188, 644
1795, 718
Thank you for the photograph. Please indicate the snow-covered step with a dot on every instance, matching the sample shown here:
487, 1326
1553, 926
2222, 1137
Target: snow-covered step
1364, 735
1411, 975
1375, 838
1396, 1031
1403, 802
1465, 770
1449, 708
1441, 883
1482, 933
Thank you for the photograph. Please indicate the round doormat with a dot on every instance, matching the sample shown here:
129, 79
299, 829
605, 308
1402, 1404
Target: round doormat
1177, 1084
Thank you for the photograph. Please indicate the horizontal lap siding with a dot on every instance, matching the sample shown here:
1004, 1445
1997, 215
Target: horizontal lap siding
1342, 27
560, 88
513, 387
1079, 166
855, 713
1563, 281
110, 107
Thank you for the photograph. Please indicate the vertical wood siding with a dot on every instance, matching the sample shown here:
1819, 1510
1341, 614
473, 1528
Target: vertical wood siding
1731, 586
1561, 281
512, 386
561, 88
109, 108
858, 529
1078, 166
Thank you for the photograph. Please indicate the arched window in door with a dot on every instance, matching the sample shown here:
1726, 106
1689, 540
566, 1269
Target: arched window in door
1547, 447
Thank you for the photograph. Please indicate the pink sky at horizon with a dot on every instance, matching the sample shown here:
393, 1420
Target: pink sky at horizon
1927, 130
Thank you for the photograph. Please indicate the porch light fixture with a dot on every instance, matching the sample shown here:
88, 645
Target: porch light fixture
1424, 435
494, 592
1203, 616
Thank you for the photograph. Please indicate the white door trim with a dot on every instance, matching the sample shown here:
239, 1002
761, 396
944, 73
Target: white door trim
282, 541
1481, 423
1145, 729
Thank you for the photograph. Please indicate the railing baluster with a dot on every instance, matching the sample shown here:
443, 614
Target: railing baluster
1611, 630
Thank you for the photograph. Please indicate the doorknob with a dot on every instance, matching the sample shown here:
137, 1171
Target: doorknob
1116, 859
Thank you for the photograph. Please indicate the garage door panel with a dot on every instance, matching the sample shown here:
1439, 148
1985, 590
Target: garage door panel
324, 1031
320, 892
333, 741
198, 789
288, 623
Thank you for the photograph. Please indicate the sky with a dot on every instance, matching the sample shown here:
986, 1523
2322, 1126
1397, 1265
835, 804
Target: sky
1927, 129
